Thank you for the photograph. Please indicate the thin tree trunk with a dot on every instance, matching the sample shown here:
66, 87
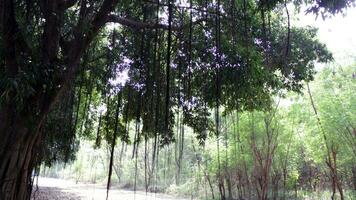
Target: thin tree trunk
295, 190
331, 152
146, 165
112, 152
354, 177
336, 184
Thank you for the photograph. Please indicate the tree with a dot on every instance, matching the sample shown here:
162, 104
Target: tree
49, 51
339, 121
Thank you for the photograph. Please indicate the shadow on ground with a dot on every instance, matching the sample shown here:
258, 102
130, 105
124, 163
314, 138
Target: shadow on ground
59, 189
53, 193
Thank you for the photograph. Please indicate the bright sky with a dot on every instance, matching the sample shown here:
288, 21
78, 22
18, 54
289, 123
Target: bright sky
338, 33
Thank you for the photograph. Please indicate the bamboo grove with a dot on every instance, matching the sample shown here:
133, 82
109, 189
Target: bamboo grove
73, 70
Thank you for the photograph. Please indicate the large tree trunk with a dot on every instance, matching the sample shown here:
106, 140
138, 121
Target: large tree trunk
20, 124
17, 150
20, 137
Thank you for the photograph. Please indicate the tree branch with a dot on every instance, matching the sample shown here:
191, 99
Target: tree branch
135, 24
198, 10
65, 4
53, 15
9, 31
101, 17
143, 25
72, 56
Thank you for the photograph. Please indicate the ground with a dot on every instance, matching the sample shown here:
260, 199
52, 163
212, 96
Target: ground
58, 189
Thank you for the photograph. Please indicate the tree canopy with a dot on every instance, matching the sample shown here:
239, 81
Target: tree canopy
72, 69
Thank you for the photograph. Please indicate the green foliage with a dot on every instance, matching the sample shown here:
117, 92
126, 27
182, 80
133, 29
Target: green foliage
237, 68
291, 127
60, 142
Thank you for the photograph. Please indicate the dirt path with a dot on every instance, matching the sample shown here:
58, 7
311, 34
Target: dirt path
57, 189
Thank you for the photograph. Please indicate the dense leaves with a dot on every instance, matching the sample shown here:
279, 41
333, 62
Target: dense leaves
252, 61
161, 58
